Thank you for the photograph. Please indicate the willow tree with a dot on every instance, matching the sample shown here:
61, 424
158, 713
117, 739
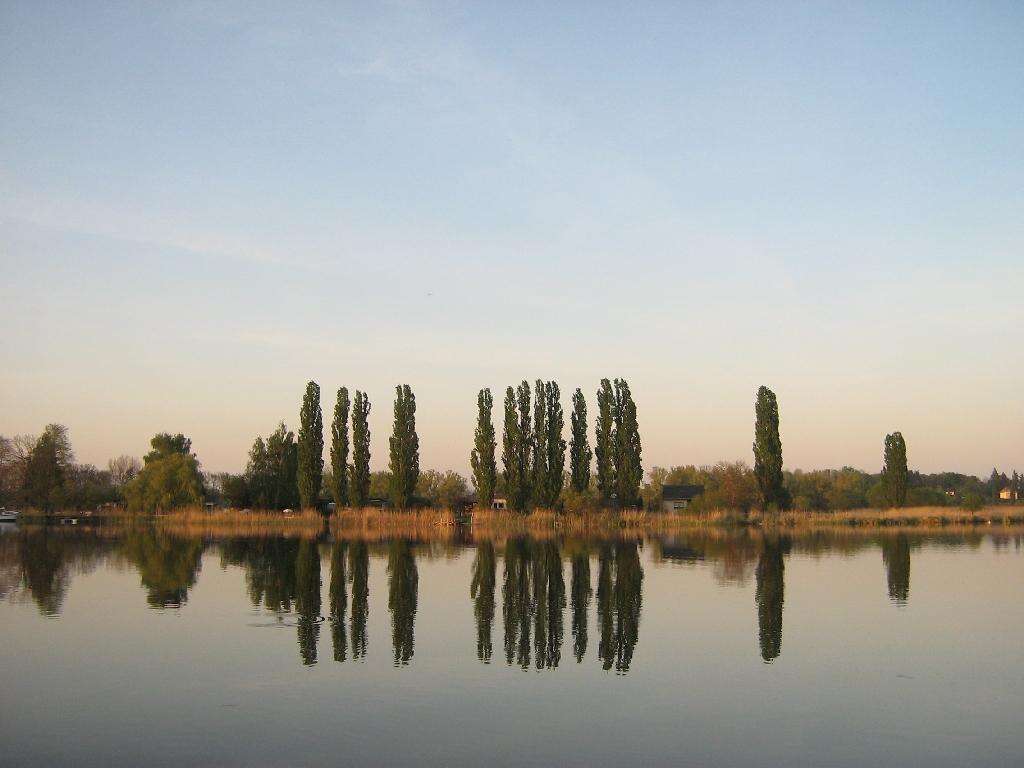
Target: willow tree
894, 471
359, 474
405, 448
311, 447
579, 445
768, 452
515, 453
627, 450
339, 449
604, 450
485, 470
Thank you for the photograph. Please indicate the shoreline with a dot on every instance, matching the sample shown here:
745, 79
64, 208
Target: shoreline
378, 524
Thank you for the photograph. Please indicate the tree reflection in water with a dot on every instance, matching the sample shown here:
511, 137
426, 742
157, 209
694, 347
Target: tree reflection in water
338, 601
896, 557
619, 602
581, 593
481, 589
403, 588
307, 599
167, 565
359, 565
769, 596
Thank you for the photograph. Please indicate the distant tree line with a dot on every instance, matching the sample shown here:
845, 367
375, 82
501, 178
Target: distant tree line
284, 471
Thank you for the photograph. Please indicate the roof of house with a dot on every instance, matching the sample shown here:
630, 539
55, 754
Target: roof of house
681, 492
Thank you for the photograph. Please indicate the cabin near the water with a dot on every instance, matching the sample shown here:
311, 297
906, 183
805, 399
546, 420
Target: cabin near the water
676, 498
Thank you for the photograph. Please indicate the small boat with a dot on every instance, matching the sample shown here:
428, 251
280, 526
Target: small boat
9, 515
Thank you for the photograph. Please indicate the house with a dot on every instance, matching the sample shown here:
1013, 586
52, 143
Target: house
500, 502
677, 497
1007, 494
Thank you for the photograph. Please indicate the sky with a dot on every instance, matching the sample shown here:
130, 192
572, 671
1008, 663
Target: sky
205, 205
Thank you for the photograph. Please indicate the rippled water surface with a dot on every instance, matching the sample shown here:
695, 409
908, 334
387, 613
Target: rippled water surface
716, 648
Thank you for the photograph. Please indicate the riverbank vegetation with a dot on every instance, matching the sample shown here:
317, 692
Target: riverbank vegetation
285, 473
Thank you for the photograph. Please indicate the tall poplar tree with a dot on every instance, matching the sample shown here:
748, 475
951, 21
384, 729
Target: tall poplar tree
515, 454
485, 471
405, 448
555, 443
339, 449
359, 474
894, 470
579, 446
604, 450
311, 447
627, 450
768, 452
539, 446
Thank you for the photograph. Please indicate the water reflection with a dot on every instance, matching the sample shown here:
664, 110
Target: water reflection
481, 589
359, 564
338, 601
619, 602
167, 565
581, 593
403, 591
284, 576
770, 595
307, 600
896, 557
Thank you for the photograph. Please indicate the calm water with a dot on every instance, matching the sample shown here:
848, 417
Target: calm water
728, 649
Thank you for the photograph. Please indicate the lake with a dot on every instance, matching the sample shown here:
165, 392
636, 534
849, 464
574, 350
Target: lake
720, 647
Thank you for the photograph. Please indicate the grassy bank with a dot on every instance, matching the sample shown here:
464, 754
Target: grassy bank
373, 523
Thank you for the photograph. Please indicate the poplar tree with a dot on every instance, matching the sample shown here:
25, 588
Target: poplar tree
555, 443
485, 471
579, 445
627, 450
603, 448
539, 446
768, 451
311, 447
515, 454
339, 449
405, 448
894, 470
359, 474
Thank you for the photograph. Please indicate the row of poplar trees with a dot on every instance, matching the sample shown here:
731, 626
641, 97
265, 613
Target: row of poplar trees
349, 482
533, 449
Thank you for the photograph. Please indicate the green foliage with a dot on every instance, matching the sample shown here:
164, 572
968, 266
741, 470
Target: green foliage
46, 468
235, 491
272, 470
579, 446
442, 490
310, 447
164, 445
626, 439
973, 502
727, 486
485, 469
539, 447
405, 448
768, 452
166, 483
604, 449
572, 501
359, 474
380, 485
516, 447
339, 449
894, 470
548, 446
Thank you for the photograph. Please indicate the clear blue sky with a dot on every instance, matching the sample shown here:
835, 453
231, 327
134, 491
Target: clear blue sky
203, 205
